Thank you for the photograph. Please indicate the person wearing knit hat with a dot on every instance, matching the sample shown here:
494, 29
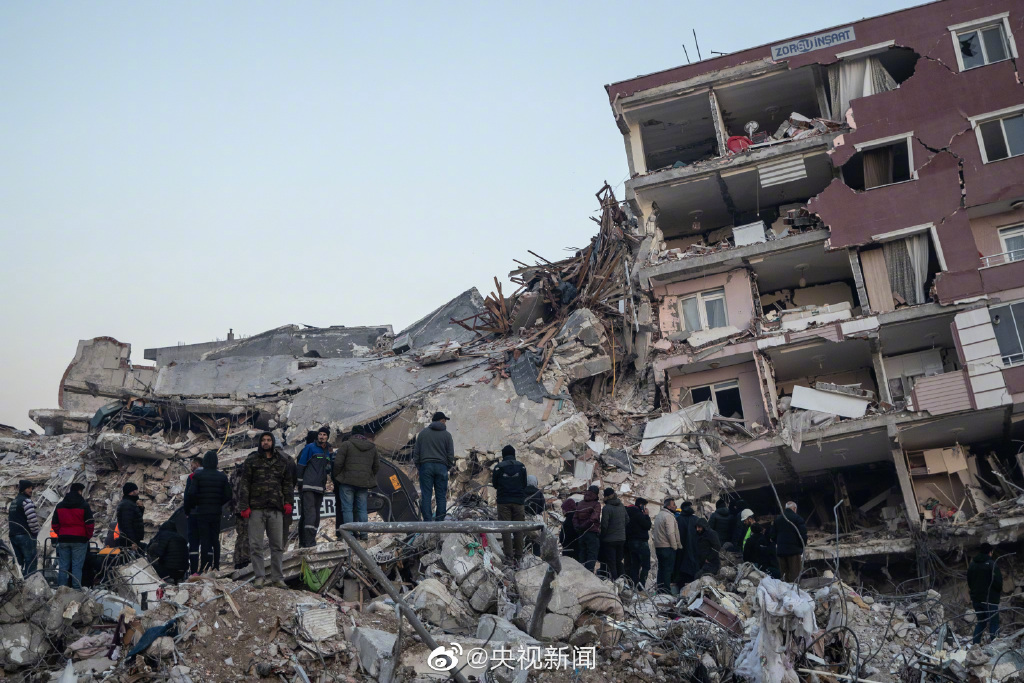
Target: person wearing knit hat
265, 494
313, 469
23, 527
509, 481
130, 524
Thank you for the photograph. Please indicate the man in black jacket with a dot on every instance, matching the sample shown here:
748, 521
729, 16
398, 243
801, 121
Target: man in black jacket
686, 557
738, 530
985, 583
613, 535
534, 502
759, 551
434, 455
130, 525
205, 497
168, 551
569, 536
789, 534
509, 480
638, 547
721, 521
708, 548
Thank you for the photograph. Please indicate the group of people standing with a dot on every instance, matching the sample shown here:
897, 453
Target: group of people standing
615, 539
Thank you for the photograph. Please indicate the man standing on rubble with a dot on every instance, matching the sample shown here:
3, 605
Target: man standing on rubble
23, 527
638, 548
313, 470
686, 557
130, 523
205, 498
665, 534
355, 472
434, 455
588, 525
264, 500
985, 583
74, 525
509, 481
789, 534
613, 534
192, 522
709, 547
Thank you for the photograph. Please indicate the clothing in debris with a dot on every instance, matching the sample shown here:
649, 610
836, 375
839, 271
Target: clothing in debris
168, 551
129, 519
638, 549
205, 497
686, 557
709, 548
435, 444
568, 536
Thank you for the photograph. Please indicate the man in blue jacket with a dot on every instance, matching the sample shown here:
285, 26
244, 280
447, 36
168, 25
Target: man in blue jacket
312, 471
434, 455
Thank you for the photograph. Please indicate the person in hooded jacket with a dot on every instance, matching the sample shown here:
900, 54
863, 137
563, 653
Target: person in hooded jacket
721, 521
588, 527
74, 525
130, 524
434, 455
205, 497
709, 548
168, 551
509, 480
264, 498
313, 469
638, 547
613, 534
534, 502
355, 472
985, 584
686, 557
568, 537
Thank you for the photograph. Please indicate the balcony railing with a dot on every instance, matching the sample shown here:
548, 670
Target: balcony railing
1000, 259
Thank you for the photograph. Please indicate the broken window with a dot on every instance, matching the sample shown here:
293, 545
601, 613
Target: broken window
1002, 138
703, 311
879, 165
725, 396
981, 46
1008, 322
1012, 239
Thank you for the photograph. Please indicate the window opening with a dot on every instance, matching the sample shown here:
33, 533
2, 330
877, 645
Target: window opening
704, 311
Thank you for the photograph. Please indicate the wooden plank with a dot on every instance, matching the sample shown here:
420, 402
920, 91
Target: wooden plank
876, 280
551, 401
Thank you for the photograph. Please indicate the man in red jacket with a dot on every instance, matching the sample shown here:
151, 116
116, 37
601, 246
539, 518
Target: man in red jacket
74, 526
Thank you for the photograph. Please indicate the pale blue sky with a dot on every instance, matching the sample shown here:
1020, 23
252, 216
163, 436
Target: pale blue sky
170, 170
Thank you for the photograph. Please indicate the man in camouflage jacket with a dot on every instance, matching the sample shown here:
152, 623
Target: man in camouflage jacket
264, 498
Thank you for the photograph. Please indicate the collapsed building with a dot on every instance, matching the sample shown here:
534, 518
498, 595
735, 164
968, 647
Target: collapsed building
811, 290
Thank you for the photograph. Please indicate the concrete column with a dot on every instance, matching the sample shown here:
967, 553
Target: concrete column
906, 488
858, 279
883, 380
635, 141
721, 134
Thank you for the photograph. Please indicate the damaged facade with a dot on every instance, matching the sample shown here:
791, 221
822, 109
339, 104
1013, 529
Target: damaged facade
813, 289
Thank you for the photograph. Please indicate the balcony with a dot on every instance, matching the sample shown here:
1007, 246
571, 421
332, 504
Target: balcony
1000, 259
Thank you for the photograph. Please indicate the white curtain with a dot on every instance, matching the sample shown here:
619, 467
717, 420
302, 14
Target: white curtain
918, 248
715, 310
850, 79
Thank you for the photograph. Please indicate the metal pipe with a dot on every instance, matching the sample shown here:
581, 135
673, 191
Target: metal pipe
541, 606
389, 588
447, 527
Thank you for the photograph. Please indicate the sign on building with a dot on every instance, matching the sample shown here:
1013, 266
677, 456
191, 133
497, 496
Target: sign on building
812, 43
